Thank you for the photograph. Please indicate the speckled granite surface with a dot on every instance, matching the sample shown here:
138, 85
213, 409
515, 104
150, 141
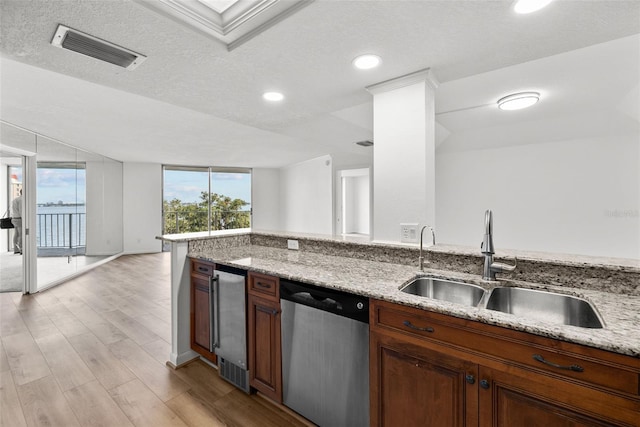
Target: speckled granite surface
382, 280
599, 274
378, 270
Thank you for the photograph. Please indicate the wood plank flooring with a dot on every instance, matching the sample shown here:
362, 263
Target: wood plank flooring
92, 352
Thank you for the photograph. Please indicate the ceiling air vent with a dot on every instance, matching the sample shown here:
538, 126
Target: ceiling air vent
365, 143
70, 39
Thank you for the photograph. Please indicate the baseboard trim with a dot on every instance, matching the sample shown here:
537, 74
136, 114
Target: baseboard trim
179, 360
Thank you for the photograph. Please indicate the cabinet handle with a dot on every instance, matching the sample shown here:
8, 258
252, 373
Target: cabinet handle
484, 384
211, 307
262, 285
574, 368
267, 309
417, 328
470, 379
216, 308
201, 268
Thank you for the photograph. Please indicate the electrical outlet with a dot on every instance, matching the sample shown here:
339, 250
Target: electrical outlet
292, 244
409, 233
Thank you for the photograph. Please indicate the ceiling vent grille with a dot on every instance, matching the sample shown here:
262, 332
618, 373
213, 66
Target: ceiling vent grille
70, 39
365, 143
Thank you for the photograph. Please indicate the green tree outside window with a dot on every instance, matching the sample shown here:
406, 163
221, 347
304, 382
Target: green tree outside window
226, 214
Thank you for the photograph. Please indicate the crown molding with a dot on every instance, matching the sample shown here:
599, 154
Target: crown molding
268, 24
240, 23
420, 76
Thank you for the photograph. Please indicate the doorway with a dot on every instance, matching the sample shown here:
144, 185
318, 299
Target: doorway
353, 202
12, 244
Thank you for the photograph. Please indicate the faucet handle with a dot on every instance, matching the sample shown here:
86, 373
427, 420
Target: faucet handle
499, 267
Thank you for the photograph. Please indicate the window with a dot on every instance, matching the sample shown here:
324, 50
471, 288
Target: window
205, 199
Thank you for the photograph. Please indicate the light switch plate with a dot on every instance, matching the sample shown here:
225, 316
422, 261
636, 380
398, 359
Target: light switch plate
292, 244
409, 233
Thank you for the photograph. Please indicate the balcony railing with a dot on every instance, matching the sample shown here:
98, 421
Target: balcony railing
176, 222
61, 230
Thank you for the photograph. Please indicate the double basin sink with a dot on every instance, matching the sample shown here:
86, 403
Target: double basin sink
523, 302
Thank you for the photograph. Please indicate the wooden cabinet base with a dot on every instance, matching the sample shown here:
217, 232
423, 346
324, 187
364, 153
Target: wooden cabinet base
201, 309
265, 365
432, 369
412, 386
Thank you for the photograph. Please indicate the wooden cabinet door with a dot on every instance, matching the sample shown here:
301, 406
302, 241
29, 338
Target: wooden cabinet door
522, 398
265, 366
414, 386
201, 316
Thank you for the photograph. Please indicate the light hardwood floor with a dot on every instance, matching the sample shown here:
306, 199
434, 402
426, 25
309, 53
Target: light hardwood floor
92, 352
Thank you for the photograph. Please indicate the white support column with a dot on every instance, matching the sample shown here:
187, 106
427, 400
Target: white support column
403, 153
180, 306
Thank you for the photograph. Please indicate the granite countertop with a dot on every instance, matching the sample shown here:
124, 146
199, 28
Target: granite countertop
364, 241
381, 280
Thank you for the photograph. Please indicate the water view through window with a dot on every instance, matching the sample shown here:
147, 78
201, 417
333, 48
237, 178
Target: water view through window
204, 199
61, 209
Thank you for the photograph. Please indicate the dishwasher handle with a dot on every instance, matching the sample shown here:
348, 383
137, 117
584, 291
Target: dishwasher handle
316, 301
331, 300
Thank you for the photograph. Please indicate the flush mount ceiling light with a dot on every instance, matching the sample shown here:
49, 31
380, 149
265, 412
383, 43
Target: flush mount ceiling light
367, 61
76, 41
273, 96
528, 6
518, 101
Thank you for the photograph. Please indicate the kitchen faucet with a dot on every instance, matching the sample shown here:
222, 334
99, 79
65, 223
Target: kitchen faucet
433, 242
491, 268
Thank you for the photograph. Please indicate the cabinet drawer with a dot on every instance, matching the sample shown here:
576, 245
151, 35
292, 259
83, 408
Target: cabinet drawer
202, 267
574, 366
543, 355
411, 321
263, 285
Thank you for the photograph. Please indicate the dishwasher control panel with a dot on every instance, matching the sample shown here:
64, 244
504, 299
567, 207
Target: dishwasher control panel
334, 301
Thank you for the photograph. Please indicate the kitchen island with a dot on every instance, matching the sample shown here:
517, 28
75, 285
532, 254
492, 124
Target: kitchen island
378, 271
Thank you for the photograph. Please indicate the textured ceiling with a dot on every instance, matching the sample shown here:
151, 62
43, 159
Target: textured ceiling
194, 96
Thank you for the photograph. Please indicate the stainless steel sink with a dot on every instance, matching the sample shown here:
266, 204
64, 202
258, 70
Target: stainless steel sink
545, 306
445, 290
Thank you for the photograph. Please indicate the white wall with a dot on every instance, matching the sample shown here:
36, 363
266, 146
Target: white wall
142, 207
306, 198
113, 207
265, 199
104, 206
576, 196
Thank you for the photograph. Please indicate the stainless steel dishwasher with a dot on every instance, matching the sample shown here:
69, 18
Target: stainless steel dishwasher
325, 354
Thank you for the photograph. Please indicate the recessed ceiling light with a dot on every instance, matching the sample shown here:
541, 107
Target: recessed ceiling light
518, 101
366, 62
528, 6
273, 96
